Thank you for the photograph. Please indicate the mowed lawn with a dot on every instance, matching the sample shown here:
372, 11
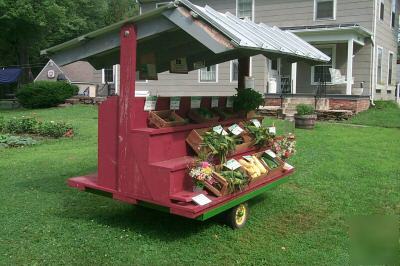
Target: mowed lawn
342, 171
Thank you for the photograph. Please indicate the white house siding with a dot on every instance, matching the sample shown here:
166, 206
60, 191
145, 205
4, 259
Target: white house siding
386, 37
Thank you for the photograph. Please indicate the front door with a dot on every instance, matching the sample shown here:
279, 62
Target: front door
274, 75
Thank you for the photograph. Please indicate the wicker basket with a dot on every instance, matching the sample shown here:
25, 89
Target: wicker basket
161, 119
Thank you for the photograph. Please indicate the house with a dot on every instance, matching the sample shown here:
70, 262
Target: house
360, 36
91, 82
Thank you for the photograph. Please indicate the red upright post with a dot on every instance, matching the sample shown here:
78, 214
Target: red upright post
128, 37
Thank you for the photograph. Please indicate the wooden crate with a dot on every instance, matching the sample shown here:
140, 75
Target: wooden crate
225, 113
219, 192
199, 119
270, 171
160, 119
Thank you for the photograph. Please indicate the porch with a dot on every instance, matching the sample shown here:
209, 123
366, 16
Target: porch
347, 74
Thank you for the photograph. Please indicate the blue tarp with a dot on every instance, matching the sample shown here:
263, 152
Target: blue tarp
9, 75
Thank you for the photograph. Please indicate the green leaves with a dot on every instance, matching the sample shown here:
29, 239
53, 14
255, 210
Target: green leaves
260, 135
220, 145
247, 100
7, 141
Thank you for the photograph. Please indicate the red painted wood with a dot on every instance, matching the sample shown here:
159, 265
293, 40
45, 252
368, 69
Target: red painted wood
128, 38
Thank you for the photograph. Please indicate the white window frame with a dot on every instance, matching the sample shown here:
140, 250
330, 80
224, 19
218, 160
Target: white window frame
252, 11
380, 6
103, 76
333, 46
377, 64
390, 63
393, 10
334, 10
216, 75
158, 4
141, 81
231, 68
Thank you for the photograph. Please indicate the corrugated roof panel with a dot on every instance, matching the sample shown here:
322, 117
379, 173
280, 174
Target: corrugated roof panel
247, 34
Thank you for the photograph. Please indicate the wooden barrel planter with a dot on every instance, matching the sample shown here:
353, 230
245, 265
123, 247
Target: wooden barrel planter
305, 121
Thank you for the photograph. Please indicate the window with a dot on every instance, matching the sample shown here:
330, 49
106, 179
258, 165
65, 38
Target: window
245, 9
390, 68
321, 73
379, 65
140, 80
235, 69
324, 9
274, 64
393, 19
382, 10
378, 90
108, 75
389, 92
208, 74
161, 4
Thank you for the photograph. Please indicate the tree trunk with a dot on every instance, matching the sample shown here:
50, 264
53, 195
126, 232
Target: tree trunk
24, 62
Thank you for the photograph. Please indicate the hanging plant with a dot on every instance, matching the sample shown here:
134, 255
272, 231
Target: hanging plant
247, 100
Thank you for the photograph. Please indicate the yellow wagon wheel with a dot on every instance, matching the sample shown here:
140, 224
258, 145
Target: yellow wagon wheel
237, 216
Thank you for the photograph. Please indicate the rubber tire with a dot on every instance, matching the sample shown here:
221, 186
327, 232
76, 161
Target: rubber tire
231, 216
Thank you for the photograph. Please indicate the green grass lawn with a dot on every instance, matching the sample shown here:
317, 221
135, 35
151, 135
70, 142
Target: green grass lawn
384, 114
342, 171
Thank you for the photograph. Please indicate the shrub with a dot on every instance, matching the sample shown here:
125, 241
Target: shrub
23, 125
305, 109
54, 129
247, 100
386, 105
2, 124
44, 94
7, 141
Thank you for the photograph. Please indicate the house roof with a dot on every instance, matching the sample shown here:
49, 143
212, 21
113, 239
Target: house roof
79, 72
191, 31
355, 27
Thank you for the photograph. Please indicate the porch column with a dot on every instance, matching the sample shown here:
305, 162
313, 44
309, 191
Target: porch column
350, 46
294, 78
244, 71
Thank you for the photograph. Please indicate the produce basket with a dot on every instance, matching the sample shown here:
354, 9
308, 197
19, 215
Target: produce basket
219, 188
167, 118
270, 167
225, 113
202, 115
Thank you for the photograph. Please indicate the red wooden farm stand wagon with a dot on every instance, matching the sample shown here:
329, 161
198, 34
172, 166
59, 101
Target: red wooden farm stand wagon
147, 166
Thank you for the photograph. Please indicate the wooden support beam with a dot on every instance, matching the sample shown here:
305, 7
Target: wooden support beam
128, 36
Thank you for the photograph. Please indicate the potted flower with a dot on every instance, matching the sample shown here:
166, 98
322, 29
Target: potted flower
305, 117
247, 101
285, 147
203, 176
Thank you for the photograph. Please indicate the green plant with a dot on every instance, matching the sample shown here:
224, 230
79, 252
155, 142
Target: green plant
205, 113
2, 124
260, 135
219, 144
54, 129
305, 109
7, 141
237, 181
21, 125
44, 94
247, 100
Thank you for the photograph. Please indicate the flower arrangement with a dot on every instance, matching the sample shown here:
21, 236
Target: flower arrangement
201, 172
285, 147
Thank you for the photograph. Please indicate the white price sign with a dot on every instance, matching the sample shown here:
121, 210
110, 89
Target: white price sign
287, 167
235, 129
201, 200
248, 158
150, 104
214, 102
271, 153
195, 102
220, 130
272, 130
229, 102
232, 164
256, 122
175, 103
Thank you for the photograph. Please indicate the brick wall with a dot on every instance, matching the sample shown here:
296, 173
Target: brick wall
356, 106
272, 102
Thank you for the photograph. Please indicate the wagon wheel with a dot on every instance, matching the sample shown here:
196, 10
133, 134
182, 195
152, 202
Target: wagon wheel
237, 216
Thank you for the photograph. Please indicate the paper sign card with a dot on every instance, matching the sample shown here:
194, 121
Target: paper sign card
150, 104
229, 102
232, 164
235, 129
248, 158
271, 153
256, 122
287, 167
201, 200
175, 103
214, 102
220, 130
179, 66
195, 102
272, 130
